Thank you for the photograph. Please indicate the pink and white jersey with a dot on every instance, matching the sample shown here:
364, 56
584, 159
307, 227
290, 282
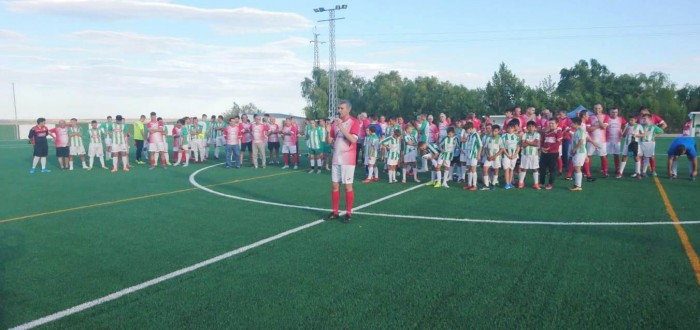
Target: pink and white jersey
598, 135
656, 120
686, 128
258, 131
384, 127
248, 136
362, 134
61, 136
344, 152
290, 134
614, 130
176, 136
477, 125
154, 137
542, 124
233, 134
434, 133
273, 129
442, 129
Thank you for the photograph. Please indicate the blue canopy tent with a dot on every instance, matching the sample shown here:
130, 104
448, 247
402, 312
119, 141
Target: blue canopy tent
578, 109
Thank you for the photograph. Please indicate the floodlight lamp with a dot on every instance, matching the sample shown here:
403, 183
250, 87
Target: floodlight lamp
344, 6
337, 6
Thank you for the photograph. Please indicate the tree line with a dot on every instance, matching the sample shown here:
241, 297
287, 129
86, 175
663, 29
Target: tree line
586, 83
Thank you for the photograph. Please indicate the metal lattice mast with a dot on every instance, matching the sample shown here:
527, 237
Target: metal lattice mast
317, 62
332, 82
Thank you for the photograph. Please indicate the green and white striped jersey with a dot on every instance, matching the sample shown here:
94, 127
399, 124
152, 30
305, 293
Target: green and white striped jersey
95, 135
510, 143
393, 146
119, 133
492, 144
425, 131
412, 138
433, 148
106, 128
215, 134
631, 131
185, 135
579, 135
316, 137
75, 141
531, 150
371, 145
472, 146
650, 132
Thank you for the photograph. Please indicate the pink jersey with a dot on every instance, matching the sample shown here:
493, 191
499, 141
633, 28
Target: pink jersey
613, 132
565, 125
686, 128
362, 134
542, 124
233, 134
258, 131
273, 129
247, 136
176, 136
154, 137
434, 133
61, 136
290, 134
344, 152
656, 120
598, 135
477, 124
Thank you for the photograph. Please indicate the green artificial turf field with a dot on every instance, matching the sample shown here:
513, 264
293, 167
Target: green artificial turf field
413, 256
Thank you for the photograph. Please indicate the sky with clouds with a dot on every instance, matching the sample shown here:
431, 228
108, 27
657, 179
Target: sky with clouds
91, 58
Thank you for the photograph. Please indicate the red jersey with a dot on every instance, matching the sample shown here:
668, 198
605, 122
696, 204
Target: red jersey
38, 134
345, 152
61, 136
565, 126
551, 140
272, 136
289, 135
598, 134
155, 137
686, 128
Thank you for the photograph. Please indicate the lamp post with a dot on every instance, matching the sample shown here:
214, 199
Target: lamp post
332, 82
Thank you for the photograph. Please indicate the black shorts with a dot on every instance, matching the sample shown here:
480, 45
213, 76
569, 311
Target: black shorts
273, 146
247, 145
41, 150
62, 151
633, 149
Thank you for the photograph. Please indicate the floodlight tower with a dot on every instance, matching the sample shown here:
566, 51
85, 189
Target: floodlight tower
332, 83
316, 42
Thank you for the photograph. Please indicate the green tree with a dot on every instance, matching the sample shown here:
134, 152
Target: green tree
237, 110
504, 90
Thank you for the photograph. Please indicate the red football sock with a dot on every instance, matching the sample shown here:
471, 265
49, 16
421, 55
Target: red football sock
153, 161
617, 163
570, 171
652, 164
164, 160
286, 159
335, 196
587, 167
604, 164
296, 159
560, 164
349, 198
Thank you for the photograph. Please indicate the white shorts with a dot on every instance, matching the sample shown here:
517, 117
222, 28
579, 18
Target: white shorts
444, 161
410, 156
185, 147
579, 159
157, 147
530, 162
220, 141
108, 142
371, 160
470, 161
392, 162
343, 173
95, 149
508, 163
120, 147
77, 150
602, 150
287, 149
626, 149
462, 156
495, 163
613, 148
647, 148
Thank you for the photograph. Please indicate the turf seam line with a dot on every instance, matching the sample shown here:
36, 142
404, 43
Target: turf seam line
685, 241
138, 287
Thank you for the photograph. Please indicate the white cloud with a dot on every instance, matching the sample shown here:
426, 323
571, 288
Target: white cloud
11, 35
236, 20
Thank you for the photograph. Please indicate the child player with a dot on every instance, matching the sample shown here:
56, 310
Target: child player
371, 148
447, 146
76, 144
95, 147
530, 155
120, 144
392, 147
314, 135
630, 135
493, 151
410, 139
578, 151
469, 155
648, 143
510, 143
430, 151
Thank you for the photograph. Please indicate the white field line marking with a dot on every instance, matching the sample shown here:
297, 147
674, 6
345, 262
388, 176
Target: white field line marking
509, 222
418, 217
138, 287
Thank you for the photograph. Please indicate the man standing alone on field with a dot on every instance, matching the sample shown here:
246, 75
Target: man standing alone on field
342, 135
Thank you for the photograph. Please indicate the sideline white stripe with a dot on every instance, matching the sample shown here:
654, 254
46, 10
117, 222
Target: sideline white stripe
138, 287
545, 223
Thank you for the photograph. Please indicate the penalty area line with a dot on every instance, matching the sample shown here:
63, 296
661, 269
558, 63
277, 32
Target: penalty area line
177, 273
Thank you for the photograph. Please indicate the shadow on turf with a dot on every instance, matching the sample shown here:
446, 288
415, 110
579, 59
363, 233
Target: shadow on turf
12, 246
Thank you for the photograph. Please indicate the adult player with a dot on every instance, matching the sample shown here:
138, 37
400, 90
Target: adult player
613, 134
75, 132
259, 132
342, 136
139, 136
273, 141
596, 128
37, 137
683, 145
60, 134
106, 129
156, 141
95, 147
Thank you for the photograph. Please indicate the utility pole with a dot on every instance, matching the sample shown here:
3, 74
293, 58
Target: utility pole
332, 82
316, 42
